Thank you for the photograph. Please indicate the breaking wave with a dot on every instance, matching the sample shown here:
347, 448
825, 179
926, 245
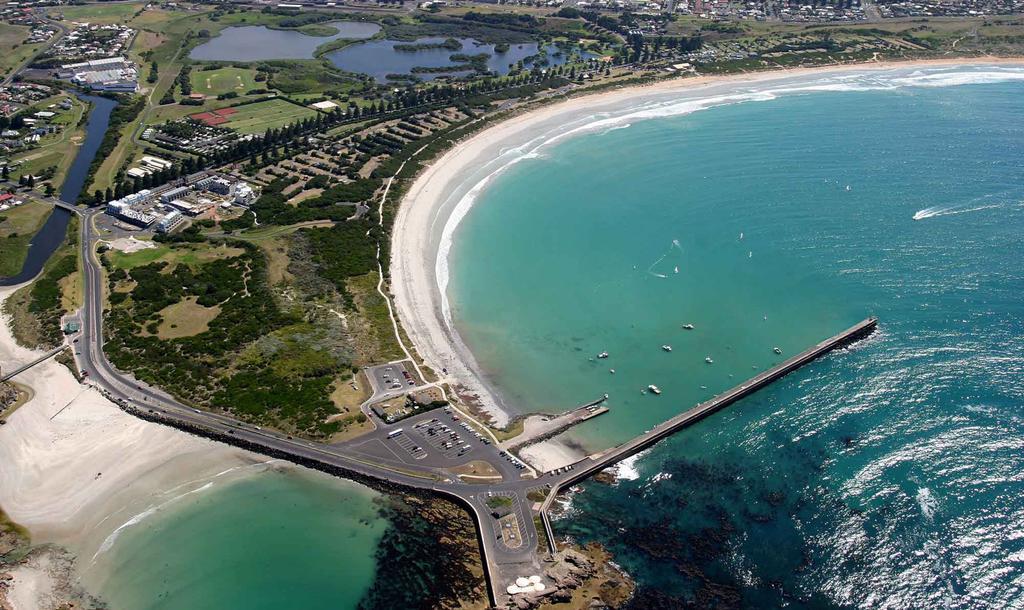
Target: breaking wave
687, 102
111, 538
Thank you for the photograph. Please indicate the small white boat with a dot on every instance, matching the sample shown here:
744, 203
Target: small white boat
612, 371
667, 348
777, 350
709, 360
677, 269
602, 355
654, 389
688, 326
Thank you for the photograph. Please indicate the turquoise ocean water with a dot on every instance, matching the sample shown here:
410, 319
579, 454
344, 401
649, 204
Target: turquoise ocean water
885, 476
275, 539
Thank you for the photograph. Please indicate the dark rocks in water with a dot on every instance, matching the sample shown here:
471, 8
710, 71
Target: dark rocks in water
718, 595
658, 540
774, 498
654, 599
428, 558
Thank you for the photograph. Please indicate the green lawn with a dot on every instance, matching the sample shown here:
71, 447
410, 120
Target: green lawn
192, 255
271, 114
17, 227
130, 260
223, 80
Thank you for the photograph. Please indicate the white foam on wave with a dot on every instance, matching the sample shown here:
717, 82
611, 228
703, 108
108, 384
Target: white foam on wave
627, 469
927, 503
111, 538
109, 541
605, 122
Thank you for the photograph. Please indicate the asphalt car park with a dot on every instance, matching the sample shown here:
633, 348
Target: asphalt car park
393, 377
407, 443
447, 441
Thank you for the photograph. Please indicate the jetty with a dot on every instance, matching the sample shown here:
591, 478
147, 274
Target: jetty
599, 461
554, 425
25, 367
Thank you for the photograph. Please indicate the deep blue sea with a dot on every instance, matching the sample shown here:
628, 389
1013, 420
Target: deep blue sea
888, 475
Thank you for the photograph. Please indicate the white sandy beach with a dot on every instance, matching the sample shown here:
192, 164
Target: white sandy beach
74, 467
444, 192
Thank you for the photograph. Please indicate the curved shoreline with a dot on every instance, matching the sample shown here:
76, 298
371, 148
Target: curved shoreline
445, 191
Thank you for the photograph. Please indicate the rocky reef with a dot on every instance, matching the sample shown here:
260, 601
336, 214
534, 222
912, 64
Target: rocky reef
428, 558
584, 578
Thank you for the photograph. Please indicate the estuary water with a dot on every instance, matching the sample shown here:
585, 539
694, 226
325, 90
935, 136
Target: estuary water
883, 476
53, 231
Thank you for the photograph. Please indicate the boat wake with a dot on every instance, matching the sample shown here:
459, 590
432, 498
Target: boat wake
652, 269
951, 210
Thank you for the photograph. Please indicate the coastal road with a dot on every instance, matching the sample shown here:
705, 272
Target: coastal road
382, 456
362, 458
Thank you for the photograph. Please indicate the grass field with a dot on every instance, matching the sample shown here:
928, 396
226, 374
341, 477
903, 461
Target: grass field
186, 318
56, 151
192, 255
12, 52
271, 114
17, 227
224, 80
102, 13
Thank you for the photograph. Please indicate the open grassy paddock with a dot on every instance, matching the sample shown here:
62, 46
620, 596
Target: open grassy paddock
223, 80
17, 227
271, 114
192, 255
186, 318
98, 13
12, 52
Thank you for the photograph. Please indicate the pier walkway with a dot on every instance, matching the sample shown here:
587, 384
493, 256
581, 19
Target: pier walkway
599, 461
25, 367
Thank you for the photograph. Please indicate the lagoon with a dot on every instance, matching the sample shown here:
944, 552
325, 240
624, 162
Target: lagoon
379, 58
260, 43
